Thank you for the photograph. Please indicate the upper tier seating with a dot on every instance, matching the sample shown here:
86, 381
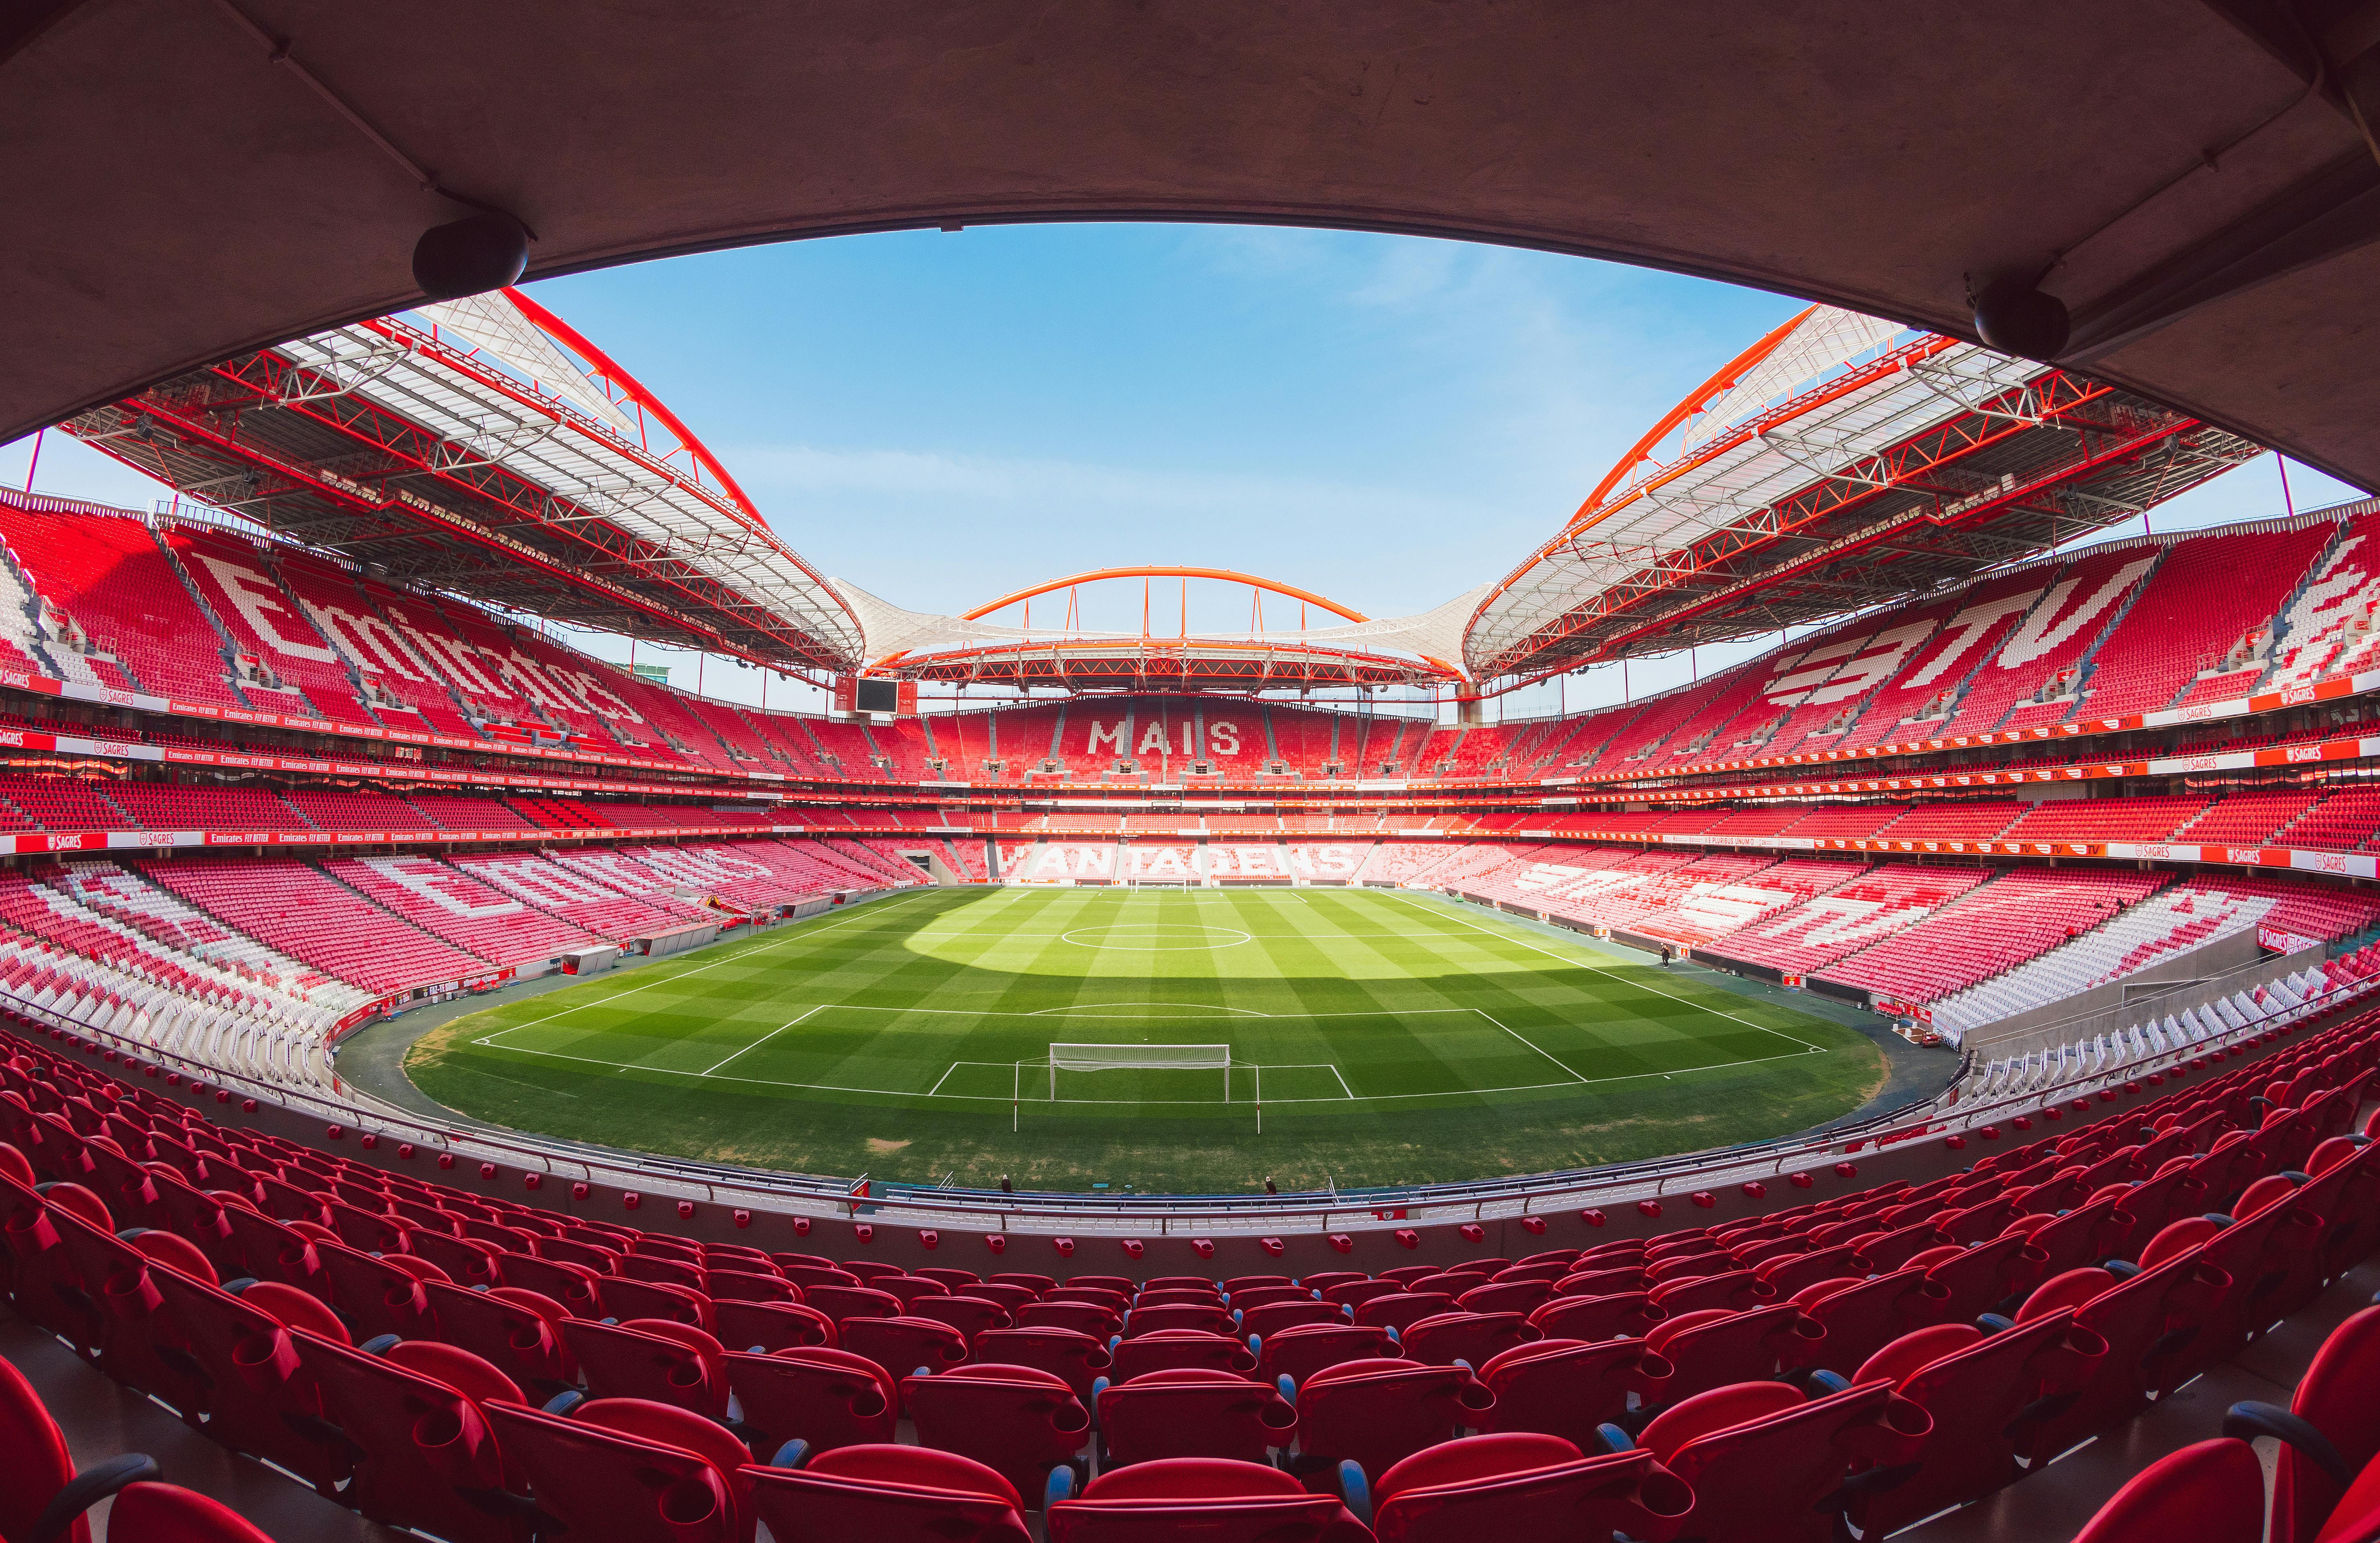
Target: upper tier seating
310, 915
847, 748
267, 628
2208, 609
2033, 678
110, 577
2328, 630
1933, 652
401, 684
1308, 742
432, 645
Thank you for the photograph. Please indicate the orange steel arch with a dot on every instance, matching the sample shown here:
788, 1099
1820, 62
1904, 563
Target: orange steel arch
1225, 575
1728, 373
634, 390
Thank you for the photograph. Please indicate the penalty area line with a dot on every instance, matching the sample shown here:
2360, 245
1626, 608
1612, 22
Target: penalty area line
761, 1041
1599, 969
796, 930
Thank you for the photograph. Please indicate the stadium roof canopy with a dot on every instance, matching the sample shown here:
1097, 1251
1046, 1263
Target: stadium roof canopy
1839, 462
485, 447
189, 182
974, 650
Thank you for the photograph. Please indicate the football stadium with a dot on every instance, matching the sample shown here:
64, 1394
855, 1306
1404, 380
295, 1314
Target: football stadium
1082, 1066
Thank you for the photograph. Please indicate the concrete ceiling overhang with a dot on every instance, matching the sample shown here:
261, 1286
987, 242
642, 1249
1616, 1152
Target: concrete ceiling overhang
188, 178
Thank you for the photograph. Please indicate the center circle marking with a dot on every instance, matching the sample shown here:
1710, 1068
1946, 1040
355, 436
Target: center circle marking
1157, 937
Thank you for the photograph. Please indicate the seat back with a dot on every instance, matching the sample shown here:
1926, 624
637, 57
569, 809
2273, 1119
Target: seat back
936, 1505
1616, 1316
1193, 1414
643, 1359
1472, 1338
1566, 1388
1377, 1413
1168, 1349
901, 1346
2335, 1396
606, 1473
1708, 1353
2211, 1492
1765, 1463
1303, 1349
1075, 1356
1019, 1421
1201, 1500
829, 1398
427, 1457
1486, 1493
771, 1325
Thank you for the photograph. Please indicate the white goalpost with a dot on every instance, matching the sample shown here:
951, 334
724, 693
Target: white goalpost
1140, 1058
1146, 1058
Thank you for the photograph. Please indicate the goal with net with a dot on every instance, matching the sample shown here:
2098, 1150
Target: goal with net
1146, 1058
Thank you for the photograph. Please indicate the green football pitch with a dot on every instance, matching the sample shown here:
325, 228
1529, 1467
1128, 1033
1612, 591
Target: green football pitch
1348, 1037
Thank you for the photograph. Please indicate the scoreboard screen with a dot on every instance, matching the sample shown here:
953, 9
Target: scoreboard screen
875, 693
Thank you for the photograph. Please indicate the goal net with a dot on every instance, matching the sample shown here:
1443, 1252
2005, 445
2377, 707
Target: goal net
1108, 1058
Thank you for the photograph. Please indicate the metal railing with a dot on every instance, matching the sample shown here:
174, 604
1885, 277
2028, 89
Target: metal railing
1951, 1111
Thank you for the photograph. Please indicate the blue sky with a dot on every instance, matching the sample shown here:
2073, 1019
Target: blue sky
943, 417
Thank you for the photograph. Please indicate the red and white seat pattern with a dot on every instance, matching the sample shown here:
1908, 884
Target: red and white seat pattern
1993, 928
446, 902
310, 915
1875, 906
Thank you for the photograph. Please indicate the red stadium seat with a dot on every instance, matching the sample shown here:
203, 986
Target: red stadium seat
826, 1398
887, 1494
1191, 1413
1566, 1388
1525, 1486
1075, 1357
1377, 1413
1170, 1349
38, 1483
628, 1471
1191, 1500
1766, 1464
655, 1360
1016, 1420
2213, 1492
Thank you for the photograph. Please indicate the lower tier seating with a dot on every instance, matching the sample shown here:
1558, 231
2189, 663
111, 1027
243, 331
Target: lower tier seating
323, 1315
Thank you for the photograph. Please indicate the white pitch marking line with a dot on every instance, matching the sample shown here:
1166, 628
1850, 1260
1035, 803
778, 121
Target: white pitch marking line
796, 932
1342, 1081
1615, 975
1524, 1040
761, 1041
1120, 1103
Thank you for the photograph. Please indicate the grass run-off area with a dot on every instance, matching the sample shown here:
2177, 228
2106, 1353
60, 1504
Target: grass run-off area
1380, 1038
